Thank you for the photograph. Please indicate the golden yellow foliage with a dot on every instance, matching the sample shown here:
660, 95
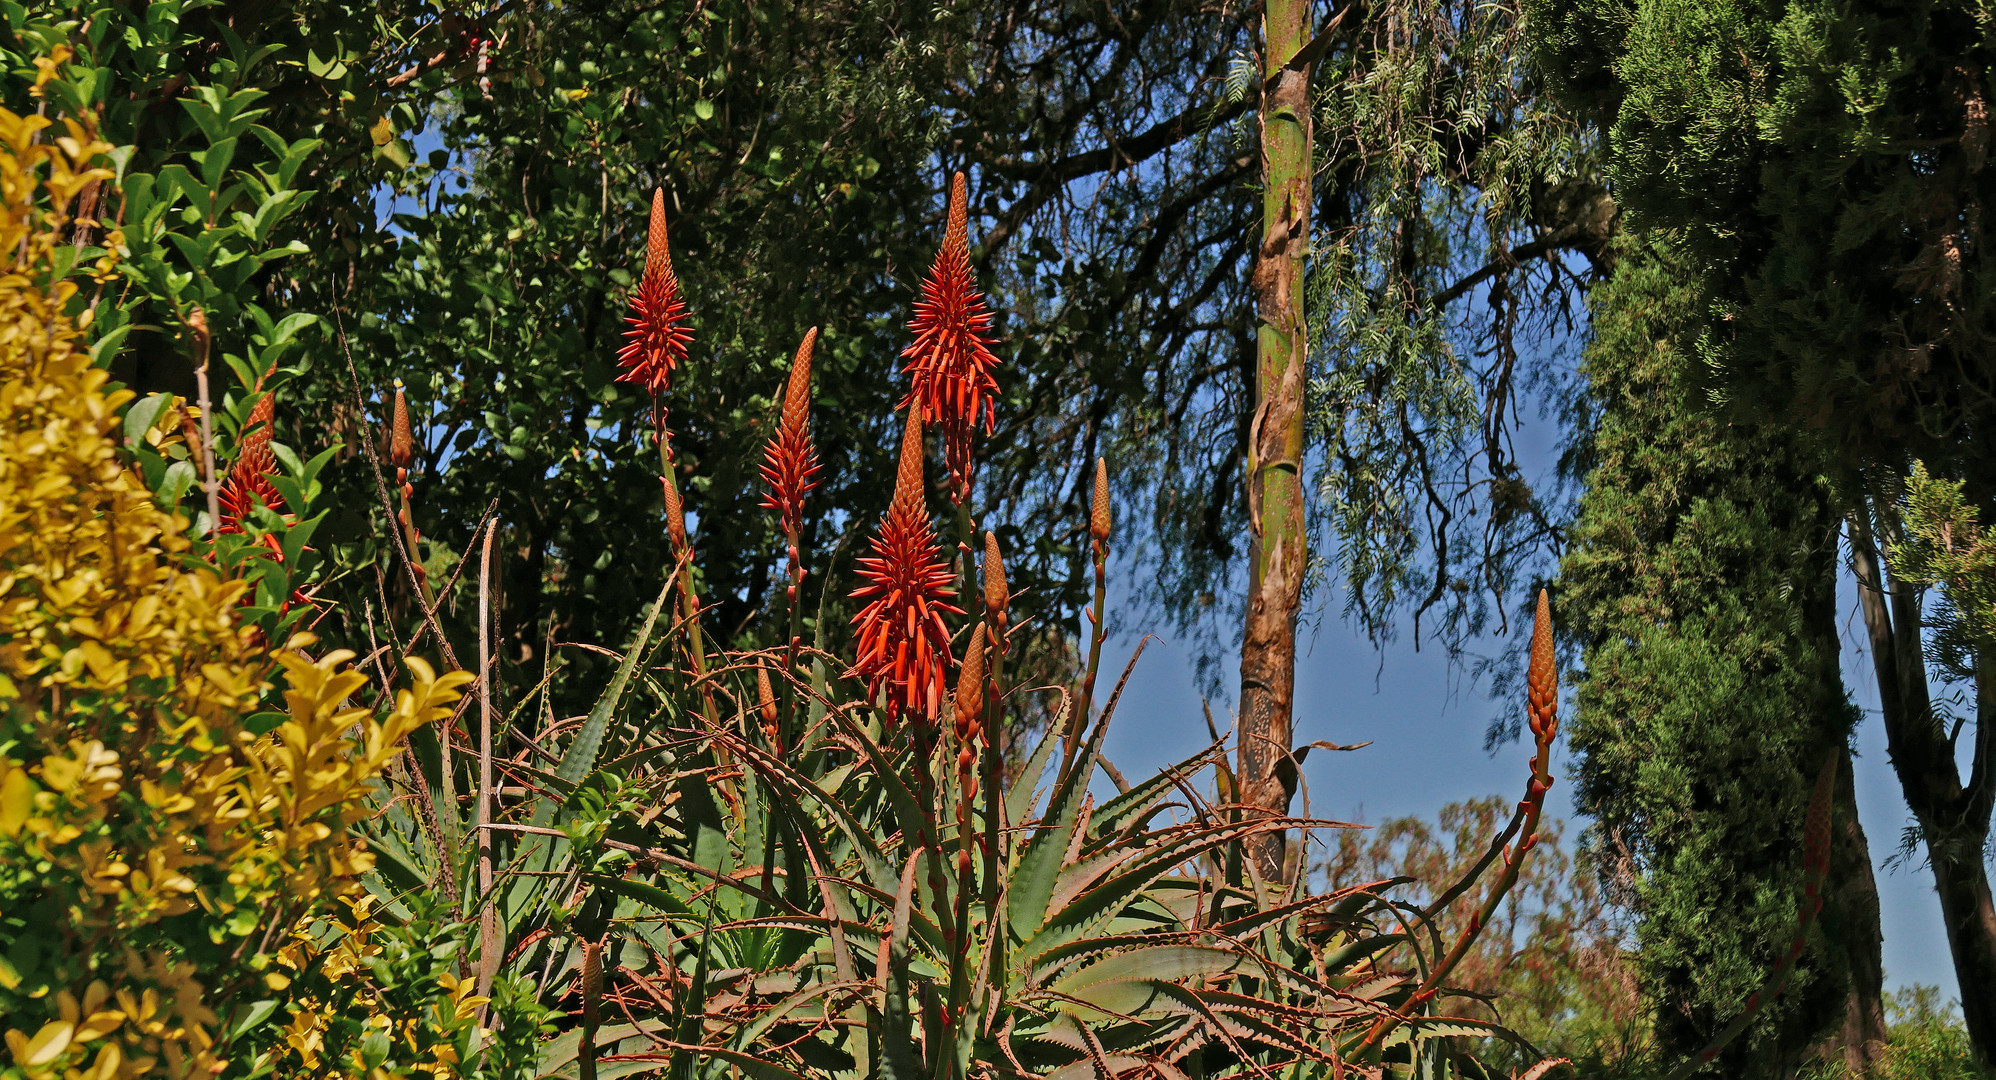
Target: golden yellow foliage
169, 855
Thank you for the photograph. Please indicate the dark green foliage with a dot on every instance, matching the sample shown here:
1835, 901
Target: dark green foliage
1699, 584
501, 297
1824, 168
1826, 162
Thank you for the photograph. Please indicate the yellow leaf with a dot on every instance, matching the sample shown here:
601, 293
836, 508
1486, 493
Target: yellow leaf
17, 800
47, 1045
108, 1060
99, 1025
382, 131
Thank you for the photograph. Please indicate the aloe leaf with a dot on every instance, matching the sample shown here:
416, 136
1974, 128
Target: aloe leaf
749, 1064
1099, 905
751, 1033
1254, 923
1358, 950
1087, 1069
913, 821
1019, 801
1133, 806
1166, 962
580, 757
1039, 867
897, 1062
566, 1047
878, 871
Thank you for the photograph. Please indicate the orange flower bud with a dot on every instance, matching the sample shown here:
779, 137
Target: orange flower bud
401, 444
1542, 679
970, 687
1098, 517
997, 595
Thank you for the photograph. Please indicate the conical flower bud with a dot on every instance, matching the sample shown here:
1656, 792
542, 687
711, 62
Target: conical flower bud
1542, 678
970, 687
766, 700
1098, 517
997, 594
401, 444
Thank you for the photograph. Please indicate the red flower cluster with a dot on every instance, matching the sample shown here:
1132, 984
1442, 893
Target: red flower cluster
248, 481
658, 337
790, 461
950, 363
903, 645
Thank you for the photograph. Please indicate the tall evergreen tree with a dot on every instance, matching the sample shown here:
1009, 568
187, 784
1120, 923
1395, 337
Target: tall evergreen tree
1825, 164
1700, 582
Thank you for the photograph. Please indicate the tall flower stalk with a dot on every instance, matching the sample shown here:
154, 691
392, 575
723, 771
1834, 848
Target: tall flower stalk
656, 342
1542, 711
950, 363
789, 463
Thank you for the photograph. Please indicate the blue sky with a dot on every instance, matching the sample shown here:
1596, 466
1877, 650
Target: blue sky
1426, 724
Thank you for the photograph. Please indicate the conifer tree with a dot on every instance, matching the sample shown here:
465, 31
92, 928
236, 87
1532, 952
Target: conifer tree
1700, 584
1825, 166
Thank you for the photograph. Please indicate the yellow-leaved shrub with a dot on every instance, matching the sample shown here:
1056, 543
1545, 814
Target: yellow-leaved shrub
180, 889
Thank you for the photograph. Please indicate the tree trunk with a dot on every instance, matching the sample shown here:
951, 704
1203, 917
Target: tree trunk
1853, 944
1277, 552
1850, 923
1953, 819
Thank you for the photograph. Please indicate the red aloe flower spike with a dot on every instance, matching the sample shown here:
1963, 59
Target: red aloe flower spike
790, 461
950, 363
903, 645
249, 476
656, 343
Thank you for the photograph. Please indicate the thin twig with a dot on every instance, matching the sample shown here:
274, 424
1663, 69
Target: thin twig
488, 925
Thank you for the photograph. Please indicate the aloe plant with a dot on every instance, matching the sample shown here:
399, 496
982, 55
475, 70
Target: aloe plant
698, 881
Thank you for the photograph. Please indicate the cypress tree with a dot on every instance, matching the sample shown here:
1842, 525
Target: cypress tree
1825, 165
1700, 585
